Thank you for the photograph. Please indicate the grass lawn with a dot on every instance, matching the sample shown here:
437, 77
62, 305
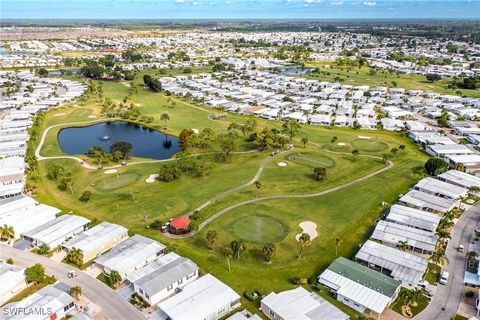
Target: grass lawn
422, 303
433, 273
349, 214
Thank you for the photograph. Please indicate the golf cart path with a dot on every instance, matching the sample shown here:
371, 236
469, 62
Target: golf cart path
292, 196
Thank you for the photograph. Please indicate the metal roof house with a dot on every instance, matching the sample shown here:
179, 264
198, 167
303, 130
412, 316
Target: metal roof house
58, 303
56, 232
414, 218
398, 264
12, 177
441, 189
427, 202
391, 234
25, 214
129, 255
359, 287
204, 299
161, 278
13, 281
97, 240
460, 178
299, 304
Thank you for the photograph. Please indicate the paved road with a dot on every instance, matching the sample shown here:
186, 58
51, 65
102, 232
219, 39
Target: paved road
450, 295
97, 292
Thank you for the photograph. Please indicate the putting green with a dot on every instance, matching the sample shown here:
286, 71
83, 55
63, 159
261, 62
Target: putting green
260, 229
369, 145
311, 160
115, 181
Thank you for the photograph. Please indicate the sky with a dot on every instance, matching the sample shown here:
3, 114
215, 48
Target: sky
239, 9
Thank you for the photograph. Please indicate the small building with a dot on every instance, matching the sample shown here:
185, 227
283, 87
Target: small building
392, 234
460, 179
55, 303
359, 287
204, 299
299, 304
400, 265
12, 177
427, 202
161, 278
129, 255
413, 218
97, 240
244, 315
13, 281
179, 225
56, 232
441, 189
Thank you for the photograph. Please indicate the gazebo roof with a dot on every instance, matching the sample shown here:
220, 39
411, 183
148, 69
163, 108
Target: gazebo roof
180, 222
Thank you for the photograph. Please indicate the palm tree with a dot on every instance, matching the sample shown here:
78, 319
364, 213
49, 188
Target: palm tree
258, 185
6, 233
445, 223
114, 277
304, 141
355, 154
385, 157
471, 255
76, 292
394, 152
439, 257
337, 243
212, 237
304, 239
403, 245
165, 117
332, 141
269, 250
237, 247
75, 257
228, 253
443, 235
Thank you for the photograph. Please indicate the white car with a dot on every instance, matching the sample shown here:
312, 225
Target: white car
444, 277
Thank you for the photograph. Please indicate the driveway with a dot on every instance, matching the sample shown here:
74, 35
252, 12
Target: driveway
449, 296
112, 304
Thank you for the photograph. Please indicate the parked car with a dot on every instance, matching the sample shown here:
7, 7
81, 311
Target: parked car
72, 274
461, 248
444, 277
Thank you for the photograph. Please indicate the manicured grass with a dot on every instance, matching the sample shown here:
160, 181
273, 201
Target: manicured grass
259, 229
433, 273
348, 214
32, 288
422, 303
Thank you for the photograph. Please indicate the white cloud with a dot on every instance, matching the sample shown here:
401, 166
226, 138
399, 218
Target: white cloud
179, 1
369, 3
336, 3
312, 1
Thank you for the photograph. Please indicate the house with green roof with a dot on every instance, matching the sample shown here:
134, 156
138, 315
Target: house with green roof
360, 287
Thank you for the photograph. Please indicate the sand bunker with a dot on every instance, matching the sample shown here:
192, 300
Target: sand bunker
363, 137
92, 116
341, 144
152, 178
111, 171
60, 114
308, 227
282, 164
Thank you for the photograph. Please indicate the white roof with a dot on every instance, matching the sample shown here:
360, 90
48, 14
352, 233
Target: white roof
10, 277
426, 201
299, 304
97, 237
404, 266
460, 178
413, 217
199, 299
130, 253
437, 187
54, 232
392, 233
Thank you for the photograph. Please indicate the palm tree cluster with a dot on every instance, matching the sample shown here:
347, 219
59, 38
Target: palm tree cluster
6, 233
75, 257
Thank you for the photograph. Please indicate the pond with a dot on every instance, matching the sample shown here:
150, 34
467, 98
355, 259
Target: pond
146, 143
296, 70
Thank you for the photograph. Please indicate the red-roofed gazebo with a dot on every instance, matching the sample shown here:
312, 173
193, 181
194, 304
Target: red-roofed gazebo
179, 225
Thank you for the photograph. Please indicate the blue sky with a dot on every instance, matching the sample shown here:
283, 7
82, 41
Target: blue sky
238, 9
